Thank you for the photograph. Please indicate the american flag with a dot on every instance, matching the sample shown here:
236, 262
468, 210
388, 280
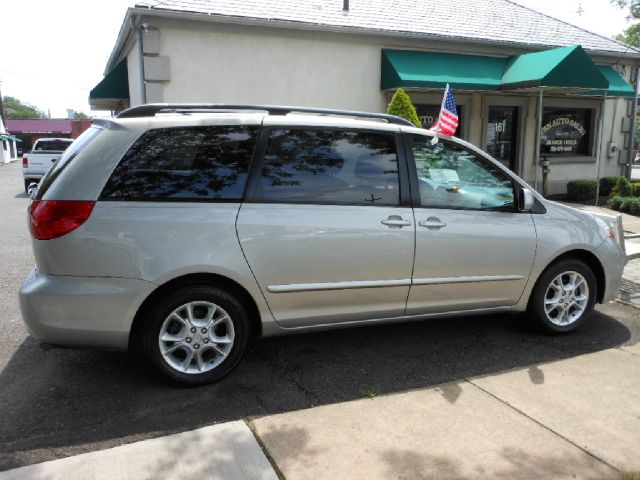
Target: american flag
448, 120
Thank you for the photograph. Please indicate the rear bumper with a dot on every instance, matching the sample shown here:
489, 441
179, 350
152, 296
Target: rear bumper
81, 311
32, 177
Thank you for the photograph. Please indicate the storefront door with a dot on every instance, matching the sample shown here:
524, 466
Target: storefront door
502, 134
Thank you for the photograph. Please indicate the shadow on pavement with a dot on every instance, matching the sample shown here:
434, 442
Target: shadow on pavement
64, 402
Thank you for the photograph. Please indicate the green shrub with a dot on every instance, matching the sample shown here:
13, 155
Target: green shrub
607, 184
581, 190
630, 205
635, 180
614, 202
625, 204
402, 106
623, 188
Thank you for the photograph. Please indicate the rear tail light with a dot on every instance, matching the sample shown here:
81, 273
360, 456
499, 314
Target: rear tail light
25, 162
50, 219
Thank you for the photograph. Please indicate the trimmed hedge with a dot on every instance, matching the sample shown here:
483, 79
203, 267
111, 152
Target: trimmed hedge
615, 202
581, 190
625, 204
607, 184
611, 186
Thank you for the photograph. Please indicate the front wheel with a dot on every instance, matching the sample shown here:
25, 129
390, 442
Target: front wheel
564, 296
196, 335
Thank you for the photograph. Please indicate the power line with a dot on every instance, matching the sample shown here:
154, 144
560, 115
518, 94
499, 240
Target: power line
40, 79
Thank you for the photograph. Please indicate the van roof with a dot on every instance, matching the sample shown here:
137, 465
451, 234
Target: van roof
153, 109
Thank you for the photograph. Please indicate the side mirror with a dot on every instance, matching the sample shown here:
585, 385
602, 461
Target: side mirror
525, 200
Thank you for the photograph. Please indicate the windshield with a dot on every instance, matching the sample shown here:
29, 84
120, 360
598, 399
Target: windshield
72, 152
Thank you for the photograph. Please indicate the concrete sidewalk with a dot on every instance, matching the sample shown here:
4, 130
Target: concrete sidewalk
577, 418
219, 452
631, 223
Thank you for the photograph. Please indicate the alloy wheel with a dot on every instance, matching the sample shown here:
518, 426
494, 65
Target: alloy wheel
196, 337
566, 298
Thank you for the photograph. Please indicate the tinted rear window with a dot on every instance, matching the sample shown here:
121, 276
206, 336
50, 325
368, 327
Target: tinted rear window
189, 163
51, 145
67, 157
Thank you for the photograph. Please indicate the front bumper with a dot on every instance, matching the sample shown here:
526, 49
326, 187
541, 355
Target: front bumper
611, 258
81, 311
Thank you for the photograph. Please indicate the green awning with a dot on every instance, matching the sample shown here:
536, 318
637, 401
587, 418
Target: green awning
6, 136
411, 69
562, 70
567, 67
618, 86
112, 89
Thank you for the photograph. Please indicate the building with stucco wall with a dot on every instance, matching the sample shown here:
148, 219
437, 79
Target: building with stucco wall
520, 78
8, 145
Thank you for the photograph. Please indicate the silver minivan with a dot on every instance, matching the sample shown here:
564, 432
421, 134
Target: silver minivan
186, 230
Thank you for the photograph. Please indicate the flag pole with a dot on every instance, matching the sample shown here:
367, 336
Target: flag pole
444, 100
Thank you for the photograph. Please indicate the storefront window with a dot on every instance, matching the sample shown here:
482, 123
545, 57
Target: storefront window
566, 131
428, 115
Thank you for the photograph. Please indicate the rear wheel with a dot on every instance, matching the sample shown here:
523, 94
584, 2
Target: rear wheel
196, 335
564, 296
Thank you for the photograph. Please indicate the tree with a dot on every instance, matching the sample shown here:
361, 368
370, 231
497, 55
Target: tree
402, 106
80, 116
632, 5
14, 108
630, 36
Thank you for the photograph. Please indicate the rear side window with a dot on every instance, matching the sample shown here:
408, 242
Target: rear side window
330, 166
189, 163
67, 157
51, 145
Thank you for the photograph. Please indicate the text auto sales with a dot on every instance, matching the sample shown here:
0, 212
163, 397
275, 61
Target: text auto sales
565, 144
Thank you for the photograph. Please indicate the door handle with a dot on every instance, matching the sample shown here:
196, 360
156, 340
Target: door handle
396, 221
432, 223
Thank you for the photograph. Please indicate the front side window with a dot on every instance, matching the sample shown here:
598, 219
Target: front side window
330, 166
188, 163
449, 176
566, 131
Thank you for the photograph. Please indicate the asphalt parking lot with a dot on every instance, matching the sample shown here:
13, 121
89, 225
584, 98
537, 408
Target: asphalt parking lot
61, 402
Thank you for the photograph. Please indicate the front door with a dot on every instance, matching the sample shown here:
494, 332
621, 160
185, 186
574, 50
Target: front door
323, 229
502, 135
473, 249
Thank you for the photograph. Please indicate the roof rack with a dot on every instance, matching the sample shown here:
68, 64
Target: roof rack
151, 109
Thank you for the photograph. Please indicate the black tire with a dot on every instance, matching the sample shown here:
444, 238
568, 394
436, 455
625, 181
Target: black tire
541, 291
197, 293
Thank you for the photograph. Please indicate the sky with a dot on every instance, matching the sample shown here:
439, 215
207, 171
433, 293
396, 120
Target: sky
52, 53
